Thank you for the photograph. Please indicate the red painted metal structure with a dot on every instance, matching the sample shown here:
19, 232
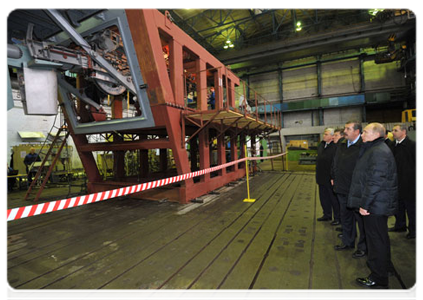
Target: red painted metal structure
197, 135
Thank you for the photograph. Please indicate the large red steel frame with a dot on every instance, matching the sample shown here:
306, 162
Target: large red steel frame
166, 94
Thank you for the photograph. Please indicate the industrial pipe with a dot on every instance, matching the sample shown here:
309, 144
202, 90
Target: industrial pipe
14, 51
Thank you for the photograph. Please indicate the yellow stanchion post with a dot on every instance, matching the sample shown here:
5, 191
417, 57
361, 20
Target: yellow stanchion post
127, 98
248, 184
286, 160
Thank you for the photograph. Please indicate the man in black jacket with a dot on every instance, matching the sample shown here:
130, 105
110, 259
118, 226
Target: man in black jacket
343, 165
29, 159
338, 136
374, 191
325, 154
405, 158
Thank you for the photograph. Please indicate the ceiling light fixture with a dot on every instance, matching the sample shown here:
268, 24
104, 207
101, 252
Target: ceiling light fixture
375, 11
228, 44
298, 28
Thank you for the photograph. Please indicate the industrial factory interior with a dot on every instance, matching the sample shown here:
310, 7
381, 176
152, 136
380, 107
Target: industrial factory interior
252, 151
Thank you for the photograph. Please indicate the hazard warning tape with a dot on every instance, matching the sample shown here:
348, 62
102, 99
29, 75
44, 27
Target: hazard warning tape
47, 207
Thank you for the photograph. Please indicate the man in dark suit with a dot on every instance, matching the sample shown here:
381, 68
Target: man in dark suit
405, 158
374, 191
11, 181
29, 159
343, 165
325, 154
338, 136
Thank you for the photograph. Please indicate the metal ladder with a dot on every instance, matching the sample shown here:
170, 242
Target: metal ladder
52, 141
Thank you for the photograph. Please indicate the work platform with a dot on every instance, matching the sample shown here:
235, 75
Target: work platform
233, 118
124, 243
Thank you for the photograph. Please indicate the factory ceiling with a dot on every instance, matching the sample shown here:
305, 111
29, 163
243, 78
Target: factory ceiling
261, 36
246, 38
44, 27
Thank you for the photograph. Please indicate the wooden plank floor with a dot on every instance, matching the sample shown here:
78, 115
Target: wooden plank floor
273, 243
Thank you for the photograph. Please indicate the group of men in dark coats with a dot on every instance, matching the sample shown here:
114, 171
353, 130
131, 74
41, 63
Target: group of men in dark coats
364, 175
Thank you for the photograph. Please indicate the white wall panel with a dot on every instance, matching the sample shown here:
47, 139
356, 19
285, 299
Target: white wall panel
299, 83
266, 85
341, 115
382, 76
297, 119
341, 77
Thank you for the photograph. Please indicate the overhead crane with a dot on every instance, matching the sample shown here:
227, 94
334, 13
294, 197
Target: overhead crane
157, 74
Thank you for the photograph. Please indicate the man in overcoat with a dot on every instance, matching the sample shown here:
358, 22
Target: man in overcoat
374, 191
342, 169
405, 158
325, 154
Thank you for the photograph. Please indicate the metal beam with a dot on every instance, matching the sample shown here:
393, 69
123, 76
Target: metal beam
190, 30
135, 145
77, 38
313, 44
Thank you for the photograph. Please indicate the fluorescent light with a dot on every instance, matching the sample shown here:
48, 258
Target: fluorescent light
375, 11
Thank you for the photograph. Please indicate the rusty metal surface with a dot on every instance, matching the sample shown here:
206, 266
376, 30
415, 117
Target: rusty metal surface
171, 63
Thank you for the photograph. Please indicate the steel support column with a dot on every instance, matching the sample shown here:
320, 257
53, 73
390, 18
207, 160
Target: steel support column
201, 74
204, 152
176, 71
319, 77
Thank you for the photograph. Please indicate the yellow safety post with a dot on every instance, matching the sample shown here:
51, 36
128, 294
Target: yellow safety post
248, 184
127, 97
108, 100
286, 160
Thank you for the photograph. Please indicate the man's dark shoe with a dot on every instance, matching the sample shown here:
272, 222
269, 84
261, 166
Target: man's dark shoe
410, 236
359, 253
395, 229
338, 229
324, 219
367, 282
340, 235
335, 223
342, 247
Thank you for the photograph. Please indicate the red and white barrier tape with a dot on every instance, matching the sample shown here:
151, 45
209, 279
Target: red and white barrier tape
43, 208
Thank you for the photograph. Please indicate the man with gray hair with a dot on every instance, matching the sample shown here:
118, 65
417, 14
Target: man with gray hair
374, 192
405, 158
325, 154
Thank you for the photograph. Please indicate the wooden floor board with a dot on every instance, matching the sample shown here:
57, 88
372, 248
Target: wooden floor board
273, 243
162, 264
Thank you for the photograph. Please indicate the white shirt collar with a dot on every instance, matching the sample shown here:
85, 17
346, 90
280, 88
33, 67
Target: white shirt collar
353, 142
399, 142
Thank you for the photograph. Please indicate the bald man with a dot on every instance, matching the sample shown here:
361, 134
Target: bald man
374, 192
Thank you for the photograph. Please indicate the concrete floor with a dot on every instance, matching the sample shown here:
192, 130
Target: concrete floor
124, 243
